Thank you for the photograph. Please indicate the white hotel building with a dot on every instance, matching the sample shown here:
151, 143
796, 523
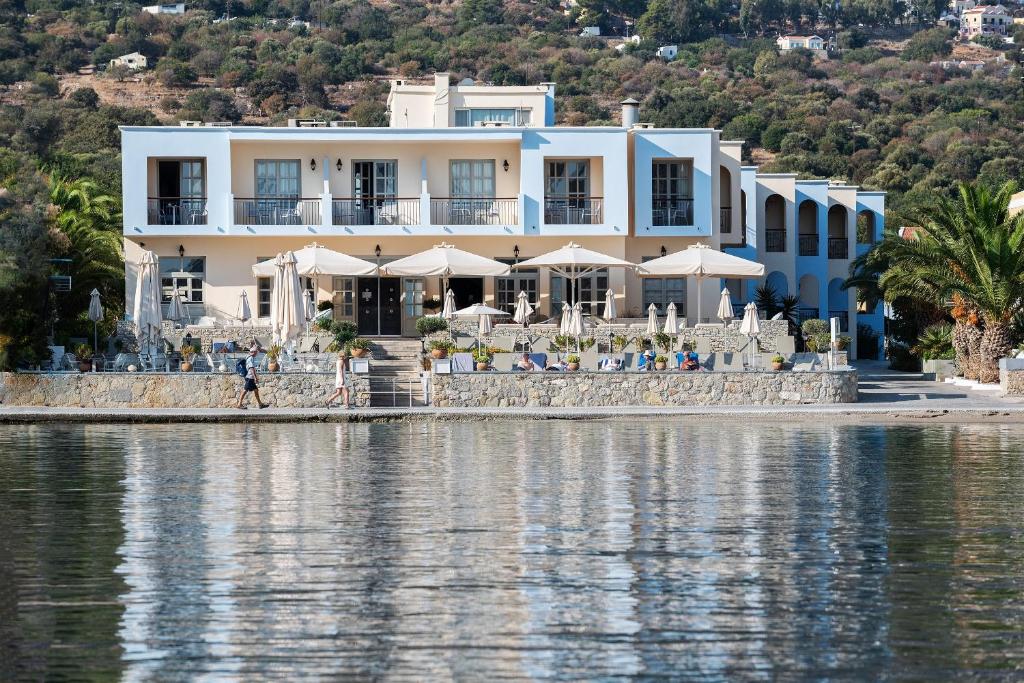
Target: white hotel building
483, 168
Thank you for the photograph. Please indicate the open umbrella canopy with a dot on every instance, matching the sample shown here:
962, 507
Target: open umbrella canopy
445, 260
315, 259
702, 261
574, 259
523, 309
609, 305
479, 309
448, 312
652, 319
671, 321
725, 307
243, 313
146, 312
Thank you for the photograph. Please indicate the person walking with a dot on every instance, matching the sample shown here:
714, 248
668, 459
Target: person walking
250, 380
342, 381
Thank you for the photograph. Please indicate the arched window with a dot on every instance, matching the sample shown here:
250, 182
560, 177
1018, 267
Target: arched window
838, 243
775, 223
725, 203
807, 222
866, 227
809, 295
837, 303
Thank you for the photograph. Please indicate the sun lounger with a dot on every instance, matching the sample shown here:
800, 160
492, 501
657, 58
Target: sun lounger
540, 344
463, 362
785, 345
588, 359
539, 359
504, 343
503, 362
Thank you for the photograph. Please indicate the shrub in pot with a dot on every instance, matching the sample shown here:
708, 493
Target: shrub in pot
188, 352
273, 353
431, 324
778, 362
83, 352
359, 347
660, 362
483, 361
439, 348
573, 361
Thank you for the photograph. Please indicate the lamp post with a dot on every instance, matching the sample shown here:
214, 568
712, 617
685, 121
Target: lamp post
376, 252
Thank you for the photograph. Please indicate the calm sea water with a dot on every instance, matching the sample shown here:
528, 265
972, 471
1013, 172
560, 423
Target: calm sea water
716, 550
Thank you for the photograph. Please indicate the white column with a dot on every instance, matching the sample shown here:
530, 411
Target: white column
424, 194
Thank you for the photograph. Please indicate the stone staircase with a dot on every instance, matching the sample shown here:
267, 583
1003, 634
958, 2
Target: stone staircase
394, 364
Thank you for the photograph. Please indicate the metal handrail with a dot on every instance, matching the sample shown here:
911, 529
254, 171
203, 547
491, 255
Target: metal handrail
725, 219
375, 211
474, 211
808, 244
176, 210
573, 211
838, 248
775, 240
277, 211
665, 212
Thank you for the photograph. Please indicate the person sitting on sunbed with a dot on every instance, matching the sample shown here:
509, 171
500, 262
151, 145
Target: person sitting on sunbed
525, 363
691, 361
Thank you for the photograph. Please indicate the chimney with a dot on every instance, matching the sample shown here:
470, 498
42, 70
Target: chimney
630, 112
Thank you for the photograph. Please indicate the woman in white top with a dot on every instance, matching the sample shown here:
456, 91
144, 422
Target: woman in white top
342, 383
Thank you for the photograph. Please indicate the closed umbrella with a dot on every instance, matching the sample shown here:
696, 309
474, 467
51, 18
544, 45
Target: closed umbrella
523, 309
671, 321
95, 315
307, 305
176, 307
146, 311
243, 313
609, 305
290, 312
725, 307
563, 327
576, 323
448, 312
751, 327
652, 320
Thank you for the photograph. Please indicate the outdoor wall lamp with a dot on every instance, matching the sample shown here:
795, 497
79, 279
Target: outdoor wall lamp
181, 251
377, 251
338, 165
504, 165
664, 251
312, 164
515, 252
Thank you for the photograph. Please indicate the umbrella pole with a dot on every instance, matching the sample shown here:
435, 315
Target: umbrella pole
700, 282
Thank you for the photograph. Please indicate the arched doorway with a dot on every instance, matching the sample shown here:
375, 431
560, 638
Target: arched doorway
809, 294
866, 227
838, 243
725, 200
775, 223
807, 226
778, 282
837, 303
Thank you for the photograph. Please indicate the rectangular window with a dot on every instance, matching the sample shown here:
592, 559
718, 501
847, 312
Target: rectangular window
661, 291
592, 288
186, 275
472, 178
672, 192
506, 289
344, 289
192, 179
413, 297
278, 178
567, 179
374, 179
472, 117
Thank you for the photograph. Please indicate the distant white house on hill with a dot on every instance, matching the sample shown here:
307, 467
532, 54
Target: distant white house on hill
814, 43
135, 61
166, 8
632, 40
668, 52
590, 32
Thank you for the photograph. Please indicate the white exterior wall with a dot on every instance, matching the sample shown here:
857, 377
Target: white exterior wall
698, 145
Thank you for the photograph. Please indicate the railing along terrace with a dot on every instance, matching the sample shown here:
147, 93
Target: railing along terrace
725, 219
805, 313
672, 212
775, 240
277, 211
473, 211
176, 210
838, 248
376, 211
808, 244
573, 211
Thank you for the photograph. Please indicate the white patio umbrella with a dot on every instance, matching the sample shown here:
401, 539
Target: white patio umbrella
523, 309
448, 312
95, 315
609, 305
288, 317
671, 321
563, 327
702, 262
751, 327
176, 307
308, 307
146, 312
314, 259
652, 319
484, 313
576, 323
243, 312
445, 260
725, 307
573, 262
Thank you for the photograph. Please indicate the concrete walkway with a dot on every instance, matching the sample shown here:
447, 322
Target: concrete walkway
885, 396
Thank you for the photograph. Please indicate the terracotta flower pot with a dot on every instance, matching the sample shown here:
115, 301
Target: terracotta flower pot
438, 353
359, 353
481, 365
273, 366
777, 366
660, 366
186, 366
84, 366
574, 367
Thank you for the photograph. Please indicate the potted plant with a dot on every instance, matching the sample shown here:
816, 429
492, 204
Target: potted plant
778, 362
663, 341
842, 342
187, 353
359, 347
619, 342
660, 362
483, 361
432, 304
574, 362
273, 353
83, 352
439, 348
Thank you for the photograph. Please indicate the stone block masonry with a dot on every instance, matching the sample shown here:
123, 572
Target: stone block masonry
593, 389
169, 390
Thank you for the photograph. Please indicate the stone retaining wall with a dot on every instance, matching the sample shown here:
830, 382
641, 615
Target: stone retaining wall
1011, 376
592, 389
169, 390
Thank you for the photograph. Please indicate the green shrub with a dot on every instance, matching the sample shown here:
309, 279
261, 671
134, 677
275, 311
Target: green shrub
430, 324
814, 327
935, 343
663, 341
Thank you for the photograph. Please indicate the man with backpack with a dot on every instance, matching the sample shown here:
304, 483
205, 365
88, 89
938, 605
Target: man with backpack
246, 367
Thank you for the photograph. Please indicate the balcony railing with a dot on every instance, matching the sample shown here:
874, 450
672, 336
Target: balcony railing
376, 211
573, 211
277, 211
725, 219
473, 211
775, 240
844, 319
805, 313
672, 212
176, 211
838, 248
809, 245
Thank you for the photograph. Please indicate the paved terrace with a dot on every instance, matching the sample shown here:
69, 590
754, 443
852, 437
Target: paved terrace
885, 397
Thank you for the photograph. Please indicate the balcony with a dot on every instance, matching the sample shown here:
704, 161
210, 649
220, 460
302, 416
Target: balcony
775, 240
666, 212
838, 248
176, 211
277, 211
376, 211
474, 211
725, 220
573, 211
808, 245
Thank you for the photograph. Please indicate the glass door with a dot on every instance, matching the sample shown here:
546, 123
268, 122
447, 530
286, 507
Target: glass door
374, 184
344, 298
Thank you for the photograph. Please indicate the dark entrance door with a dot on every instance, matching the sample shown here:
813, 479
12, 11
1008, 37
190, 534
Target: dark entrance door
380, 306
467, 290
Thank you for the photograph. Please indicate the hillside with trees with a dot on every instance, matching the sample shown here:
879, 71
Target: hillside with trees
877, 112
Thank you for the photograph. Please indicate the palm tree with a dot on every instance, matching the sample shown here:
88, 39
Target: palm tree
968, 251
